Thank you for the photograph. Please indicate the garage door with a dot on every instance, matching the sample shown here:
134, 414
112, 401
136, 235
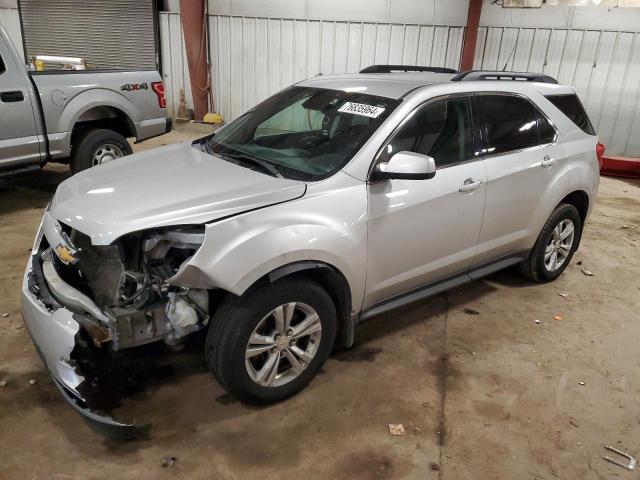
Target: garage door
118, 34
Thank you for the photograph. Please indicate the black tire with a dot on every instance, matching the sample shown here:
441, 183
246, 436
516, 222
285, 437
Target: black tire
533, 267
235, 321
90, 142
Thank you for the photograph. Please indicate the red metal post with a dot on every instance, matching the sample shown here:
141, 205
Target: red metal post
471, 35
194, 27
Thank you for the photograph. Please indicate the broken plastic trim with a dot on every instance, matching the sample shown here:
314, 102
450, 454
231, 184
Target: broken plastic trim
102, 424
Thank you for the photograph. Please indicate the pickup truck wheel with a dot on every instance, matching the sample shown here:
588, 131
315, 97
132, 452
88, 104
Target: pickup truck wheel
96, 147
555, 246
268, 344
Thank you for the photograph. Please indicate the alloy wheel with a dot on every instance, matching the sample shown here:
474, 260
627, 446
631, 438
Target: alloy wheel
559, 246
105, 153
283, 344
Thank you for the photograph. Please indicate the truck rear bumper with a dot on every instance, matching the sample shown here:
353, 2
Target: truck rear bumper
53, 331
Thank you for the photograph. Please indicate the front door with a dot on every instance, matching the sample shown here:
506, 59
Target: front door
19, 140
423, 230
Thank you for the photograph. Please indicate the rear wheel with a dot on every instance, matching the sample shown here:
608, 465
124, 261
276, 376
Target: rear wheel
269, 344
555, 246
96, 147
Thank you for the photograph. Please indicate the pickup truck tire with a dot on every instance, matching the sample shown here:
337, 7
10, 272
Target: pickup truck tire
258, 359
555, 246
96, 146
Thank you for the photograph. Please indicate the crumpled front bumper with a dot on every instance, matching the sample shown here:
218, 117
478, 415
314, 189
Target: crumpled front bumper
53, 331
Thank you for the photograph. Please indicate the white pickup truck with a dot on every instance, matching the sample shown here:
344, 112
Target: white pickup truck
81, 117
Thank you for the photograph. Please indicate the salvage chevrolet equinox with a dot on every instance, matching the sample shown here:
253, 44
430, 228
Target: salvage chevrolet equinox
333, 201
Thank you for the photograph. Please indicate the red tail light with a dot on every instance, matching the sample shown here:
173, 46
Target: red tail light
600, 152
158, 87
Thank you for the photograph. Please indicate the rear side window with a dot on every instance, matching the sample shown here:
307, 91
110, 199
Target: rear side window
572, 107
2, 69
513, 123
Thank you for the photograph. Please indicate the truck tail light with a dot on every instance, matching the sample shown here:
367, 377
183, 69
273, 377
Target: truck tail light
600, 152
158, 87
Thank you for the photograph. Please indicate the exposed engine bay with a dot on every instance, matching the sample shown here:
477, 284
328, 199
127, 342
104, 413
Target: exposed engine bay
120, 292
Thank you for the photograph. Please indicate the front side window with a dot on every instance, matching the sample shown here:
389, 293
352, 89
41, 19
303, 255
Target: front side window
441, 129
513, 123
302, 133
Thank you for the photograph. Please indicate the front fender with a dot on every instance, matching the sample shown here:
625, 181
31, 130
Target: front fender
328, 228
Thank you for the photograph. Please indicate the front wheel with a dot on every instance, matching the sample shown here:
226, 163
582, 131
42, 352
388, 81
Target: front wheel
268, 344
96, 147
555, 246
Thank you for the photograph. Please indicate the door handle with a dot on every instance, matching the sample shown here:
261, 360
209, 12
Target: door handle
8, 97
548, 161
470, 185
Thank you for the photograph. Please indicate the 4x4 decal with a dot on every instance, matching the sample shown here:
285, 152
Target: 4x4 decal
129, 87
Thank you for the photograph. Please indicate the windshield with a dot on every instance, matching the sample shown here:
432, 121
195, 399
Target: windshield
301, 133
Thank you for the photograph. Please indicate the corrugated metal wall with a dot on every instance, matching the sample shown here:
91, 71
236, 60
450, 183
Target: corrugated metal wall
175, 71
603, 66
252, 58
10, 21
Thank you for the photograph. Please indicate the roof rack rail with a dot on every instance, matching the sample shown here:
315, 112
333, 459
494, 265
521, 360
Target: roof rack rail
405, 68
471, 75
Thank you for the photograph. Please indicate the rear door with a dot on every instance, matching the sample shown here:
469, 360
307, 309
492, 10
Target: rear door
521, 157
19, 140
423, 230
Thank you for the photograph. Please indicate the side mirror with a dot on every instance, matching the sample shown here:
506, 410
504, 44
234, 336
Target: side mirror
406, 165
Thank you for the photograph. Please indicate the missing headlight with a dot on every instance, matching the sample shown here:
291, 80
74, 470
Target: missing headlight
164, 252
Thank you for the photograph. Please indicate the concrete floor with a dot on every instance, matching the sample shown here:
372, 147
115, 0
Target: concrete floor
483, 390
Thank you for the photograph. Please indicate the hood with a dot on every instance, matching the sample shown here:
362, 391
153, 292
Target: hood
172, 185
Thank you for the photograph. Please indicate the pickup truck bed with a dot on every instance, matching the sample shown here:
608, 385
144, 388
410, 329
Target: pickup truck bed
81, 116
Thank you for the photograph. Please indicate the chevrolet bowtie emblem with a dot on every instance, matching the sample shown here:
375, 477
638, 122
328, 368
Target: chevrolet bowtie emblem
66, 255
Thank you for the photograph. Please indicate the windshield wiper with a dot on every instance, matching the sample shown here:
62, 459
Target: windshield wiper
266, 166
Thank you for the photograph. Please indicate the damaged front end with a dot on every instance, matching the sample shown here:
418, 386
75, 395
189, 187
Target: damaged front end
83, 302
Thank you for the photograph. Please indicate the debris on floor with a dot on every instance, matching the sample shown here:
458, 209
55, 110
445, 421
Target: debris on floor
168, 461
33, 381
434, 466
5, 315
563, 294
558, 317
415, 428
581, 383
397, 429
470, 311
587, 272
3, 383
631, 460
537, 321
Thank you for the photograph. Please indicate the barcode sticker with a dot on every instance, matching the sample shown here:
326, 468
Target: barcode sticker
361, 109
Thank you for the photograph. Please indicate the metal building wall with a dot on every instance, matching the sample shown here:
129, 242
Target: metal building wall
603, 66
252, 58
10, 21
175, 71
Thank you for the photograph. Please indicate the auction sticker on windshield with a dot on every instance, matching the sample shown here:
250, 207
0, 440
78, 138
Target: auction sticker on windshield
361, 109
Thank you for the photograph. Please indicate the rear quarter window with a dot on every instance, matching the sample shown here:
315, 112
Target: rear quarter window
571, 106
2, 68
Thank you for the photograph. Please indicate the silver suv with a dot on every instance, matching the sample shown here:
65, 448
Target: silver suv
335, 200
